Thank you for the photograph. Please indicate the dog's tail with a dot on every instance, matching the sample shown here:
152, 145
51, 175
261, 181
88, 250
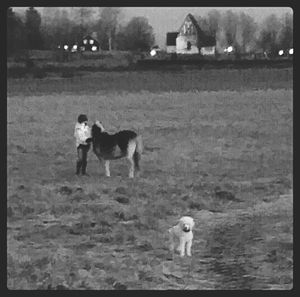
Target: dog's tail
138, 152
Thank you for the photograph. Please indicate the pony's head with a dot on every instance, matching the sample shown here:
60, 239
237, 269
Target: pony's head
97, 129
99, 125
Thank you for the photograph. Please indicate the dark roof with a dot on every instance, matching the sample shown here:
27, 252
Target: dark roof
88, 37
171, 38
195, 23
208, 41
204, 39
96, 43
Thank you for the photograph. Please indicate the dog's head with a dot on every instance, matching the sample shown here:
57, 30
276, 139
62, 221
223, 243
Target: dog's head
186, 224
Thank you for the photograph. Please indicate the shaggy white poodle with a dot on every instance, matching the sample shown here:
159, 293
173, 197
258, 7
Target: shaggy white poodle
183, 233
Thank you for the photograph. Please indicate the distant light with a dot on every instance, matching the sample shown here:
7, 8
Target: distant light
153, 52
84, 41
66, 47
94, 48
280, 53
291, 51
225, 50
91, 41
58, 46
229, 49
74, 48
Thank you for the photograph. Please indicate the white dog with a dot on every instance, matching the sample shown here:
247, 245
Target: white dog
182, 232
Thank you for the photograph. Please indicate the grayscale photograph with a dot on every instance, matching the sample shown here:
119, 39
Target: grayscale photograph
149, 148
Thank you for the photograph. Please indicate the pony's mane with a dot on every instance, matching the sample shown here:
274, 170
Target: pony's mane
99, 124
96, 131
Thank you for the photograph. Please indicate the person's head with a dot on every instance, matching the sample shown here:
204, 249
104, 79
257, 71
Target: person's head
82, 118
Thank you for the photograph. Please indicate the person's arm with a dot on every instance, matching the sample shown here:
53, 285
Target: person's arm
88, 134
80, 135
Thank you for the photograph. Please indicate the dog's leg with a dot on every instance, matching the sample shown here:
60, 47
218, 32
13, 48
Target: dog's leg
107, 171
181, 247
188, 248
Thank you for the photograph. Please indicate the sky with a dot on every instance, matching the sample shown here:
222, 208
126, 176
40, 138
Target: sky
168, 19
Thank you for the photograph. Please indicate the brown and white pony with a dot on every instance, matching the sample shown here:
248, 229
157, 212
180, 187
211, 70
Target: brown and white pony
125, 143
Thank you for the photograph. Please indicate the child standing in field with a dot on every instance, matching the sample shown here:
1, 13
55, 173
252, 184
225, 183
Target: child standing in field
82, 134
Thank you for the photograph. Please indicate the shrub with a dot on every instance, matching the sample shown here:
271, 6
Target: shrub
16, 72
38, 72
29, 63
67, 73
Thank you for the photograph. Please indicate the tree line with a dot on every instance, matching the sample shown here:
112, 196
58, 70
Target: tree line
60, 26
240, 31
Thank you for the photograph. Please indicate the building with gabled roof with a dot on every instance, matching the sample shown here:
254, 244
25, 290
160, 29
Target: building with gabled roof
191, 39
171, 42
88, 43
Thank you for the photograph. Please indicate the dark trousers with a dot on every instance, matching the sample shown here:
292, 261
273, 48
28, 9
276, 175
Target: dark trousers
82, 151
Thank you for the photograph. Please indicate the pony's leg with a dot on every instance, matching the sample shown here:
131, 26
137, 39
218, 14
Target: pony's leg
131, 169
100, 160
130, 152
107, 171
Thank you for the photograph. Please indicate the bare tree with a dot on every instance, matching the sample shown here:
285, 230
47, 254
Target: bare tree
285, 36
268, 39
230, 29
246, 31
57, 28
32, 27
229, 24
107, 24
214, 18
137, 35
84, 17
15, 32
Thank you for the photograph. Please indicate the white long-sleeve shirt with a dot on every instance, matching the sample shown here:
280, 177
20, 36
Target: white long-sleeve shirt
82, 132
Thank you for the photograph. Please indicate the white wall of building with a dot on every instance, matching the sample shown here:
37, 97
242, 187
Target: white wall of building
207, 51
171, 48
181, 46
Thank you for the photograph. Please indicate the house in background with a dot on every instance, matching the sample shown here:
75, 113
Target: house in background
171, 42
89, 43
208, 47
191, 39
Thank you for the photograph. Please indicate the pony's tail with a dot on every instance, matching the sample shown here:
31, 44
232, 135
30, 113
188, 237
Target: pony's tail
138, 152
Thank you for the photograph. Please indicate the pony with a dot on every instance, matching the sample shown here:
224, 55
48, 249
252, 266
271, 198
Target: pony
125, 143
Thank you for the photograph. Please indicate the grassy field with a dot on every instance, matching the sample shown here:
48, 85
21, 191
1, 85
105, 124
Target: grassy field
217, 147
155, 81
